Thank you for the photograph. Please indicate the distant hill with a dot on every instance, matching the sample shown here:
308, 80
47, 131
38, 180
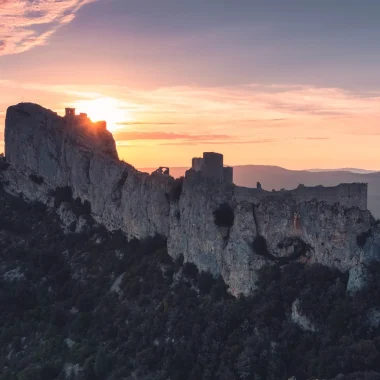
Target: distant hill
275, 177
353, 170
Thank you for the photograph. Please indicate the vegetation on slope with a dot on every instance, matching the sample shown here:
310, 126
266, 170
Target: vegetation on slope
94, 306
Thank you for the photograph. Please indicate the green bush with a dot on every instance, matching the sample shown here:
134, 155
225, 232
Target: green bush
190, 270
260, 246
101, 366
4, 165
224, 215
61, 195
176, 190
159, 326
36, 179
362, 238
205, 282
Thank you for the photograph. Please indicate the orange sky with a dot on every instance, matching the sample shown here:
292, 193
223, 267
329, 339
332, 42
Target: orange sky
295, 126
167, 97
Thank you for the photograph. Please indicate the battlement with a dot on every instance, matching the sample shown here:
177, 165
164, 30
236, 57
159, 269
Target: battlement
211, 166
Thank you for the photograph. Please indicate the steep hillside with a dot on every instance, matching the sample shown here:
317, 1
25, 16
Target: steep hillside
90, 305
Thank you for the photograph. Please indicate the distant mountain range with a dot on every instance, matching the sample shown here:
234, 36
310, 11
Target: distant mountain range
353, 170
275, 177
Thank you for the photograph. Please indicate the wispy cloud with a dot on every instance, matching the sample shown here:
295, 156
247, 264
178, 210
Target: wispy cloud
312, 138
257, 104
29, 23
238, 115
230, 142
139, 123
158, 135
172, 139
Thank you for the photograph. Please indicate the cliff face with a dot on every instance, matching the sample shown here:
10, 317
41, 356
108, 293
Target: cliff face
38, 141
264, 229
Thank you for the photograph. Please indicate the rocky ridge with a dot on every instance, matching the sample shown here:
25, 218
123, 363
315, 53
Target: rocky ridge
57, 154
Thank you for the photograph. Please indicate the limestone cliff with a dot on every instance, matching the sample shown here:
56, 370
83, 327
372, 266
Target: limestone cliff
264, 231
40, 142
261, 228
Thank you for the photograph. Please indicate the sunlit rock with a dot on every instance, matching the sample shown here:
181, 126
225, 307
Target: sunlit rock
225, 229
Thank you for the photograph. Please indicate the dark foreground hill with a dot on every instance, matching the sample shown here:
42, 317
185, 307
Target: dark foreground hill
94, 306
275, 177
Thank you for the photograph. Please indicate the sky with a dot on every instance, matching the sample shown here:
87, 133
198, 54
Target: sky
291, 83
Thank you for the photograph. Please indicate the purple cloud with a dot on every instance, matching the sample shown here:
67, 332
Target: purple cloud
26, 24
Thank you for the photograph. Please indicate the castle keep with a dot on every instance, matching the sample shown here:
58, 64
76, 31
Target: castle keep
222, 228
211, 167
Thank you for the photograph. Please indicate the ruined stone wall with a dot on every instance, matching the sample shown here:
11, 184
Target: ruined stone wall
347, 195
228, 174
197, 164
248, 194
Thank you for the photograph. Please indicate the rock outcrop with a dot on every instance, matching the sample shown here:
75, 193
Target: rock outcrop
261, 227
264, 231
42, 143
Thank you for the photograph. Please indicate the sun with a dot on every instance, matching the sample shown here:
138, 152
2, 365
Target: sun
108, 109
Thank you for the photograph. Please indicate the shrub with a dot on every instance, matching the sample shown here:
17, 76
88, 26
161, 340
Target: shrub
176, 190
224, 215
80, 208
62, 194
3, 165
101, 366
190, 270
178, 262
36, 179
205, 282
260, 247
362, 238
219, 289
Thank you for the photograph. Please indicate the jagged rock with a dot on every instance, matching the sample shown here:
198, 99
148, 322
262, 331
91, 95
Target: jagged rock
357, 278
67, 216
301, 319
115, 287
373, 317
39, 141
311, 225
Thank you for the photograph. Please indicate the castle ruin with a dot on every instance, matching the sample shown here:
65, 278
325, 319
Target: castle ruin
347, 194
83, 120
211, 167
93, 135
325, 225
162, 170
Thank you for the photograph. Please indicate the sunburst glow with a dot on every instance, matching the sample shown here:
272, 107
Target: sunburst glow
108, 109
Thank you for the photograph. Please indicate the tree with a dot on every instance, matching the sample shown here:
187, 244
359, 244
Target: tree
101, 366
